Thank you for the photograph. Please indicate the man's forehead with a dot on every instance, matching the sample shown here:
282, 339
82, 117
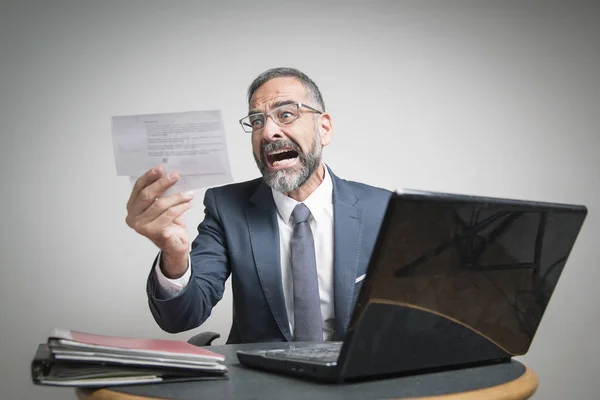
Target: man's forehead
277, 89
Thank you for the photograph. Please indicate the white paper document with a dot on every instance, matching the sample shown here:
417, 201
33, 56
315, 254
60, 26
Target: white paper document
190, 143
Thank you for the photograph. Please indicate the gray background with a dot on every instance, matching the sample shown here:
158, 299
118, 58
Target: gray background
494, 98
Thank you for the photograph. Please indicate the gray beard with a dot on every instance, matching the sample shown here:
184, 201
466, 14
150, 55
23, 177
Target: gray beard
287, 180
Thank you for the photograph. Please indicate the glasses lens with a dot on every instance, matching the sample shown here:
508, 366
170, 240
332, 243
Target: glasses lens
246, 125
253, 122
286, 114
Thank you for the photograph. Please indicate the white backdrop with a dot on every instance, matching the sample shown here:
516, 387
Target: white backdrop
494, 98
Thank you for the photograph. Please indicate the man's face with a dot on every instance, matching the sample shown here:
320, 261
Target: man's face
286, 155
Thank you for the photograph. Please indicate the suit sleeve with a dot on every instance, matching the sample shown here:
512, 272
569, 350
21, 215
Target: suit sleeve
210, 269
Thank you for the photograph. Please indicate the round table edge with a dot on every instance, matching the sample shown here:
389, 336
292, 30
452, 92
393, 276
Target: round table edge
521, 388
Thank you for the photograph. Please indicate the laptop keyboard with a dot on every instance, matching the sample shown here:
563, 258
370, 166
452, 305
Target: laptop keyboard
319, 352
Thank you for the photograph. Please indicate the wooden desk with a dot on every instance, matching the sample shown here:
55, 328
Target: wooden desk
494, 382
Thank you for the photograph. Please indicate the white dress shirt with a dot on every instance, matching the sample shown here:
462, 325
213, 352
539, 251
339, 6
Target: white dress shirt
320, 204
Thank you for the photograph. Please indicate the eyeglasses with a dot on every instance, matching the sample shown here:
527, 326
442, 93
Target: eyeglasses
282, 115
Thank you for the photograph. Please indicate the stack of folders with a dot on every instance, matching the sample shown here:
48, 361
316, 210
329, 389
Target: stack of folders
71, 358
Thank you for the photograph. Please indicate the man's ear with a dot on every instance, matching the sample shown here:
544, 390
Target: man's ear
325, 129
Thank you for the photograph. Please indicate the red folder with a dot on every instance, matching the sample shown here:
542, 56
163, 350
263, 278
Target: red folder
73, 358
125, 345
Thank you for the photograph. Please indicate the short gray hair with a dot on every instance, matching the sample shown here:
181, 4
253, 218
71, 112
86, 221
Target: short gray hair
282, 72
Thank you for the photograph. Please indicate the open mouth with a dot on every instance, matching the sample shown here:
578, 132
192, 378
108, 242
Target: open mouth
281, 158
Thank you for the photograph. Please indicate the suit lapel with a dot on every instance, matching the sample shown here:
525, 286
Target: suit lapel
348, 225
264, 236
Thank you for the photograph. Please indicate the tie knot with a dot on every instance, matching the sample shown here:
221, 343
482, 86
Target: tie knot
300, 213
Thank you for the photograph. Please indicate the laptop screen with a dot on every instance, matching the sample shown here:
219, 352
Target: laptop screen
491, 266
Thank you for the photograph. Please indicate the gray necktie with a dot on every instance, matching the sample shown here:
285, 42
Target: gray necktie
307, 306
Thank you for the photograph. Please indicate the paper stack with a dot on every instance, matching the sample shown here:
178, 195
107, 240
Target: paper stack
71, 358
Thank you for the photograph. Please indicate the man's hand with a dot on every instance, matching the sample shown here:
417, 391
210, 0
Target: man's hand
160, 219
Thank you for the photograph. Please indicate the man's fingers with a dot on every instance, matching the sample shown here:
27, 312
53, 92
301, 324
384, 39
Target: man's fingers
167, 217
179, 221
148, 178
150, 193
160, 205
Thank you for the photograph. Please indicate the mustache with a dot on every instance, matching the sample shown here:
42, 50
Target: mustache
278, 145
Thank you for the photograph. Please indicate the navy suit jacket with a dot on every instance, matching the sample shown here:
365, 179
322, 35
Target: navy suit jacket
240, 236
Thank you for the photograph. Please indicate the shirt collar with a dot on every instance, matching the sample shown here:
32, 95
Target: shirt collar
317, 202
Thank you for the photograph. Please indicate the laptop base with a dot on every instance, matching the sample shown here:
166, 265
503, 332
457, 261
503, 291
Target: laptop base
323, 372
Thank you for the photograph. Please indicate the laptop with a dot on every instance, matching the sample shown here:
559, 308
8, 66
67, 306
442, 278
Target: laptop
453, 281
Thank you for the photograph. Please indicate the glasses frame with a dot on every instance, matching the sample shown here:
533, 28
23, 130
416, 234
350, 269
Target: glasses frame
270, 114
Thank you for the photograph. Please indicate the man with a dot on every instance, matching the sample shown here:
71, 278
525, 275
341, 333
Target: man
296, 241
